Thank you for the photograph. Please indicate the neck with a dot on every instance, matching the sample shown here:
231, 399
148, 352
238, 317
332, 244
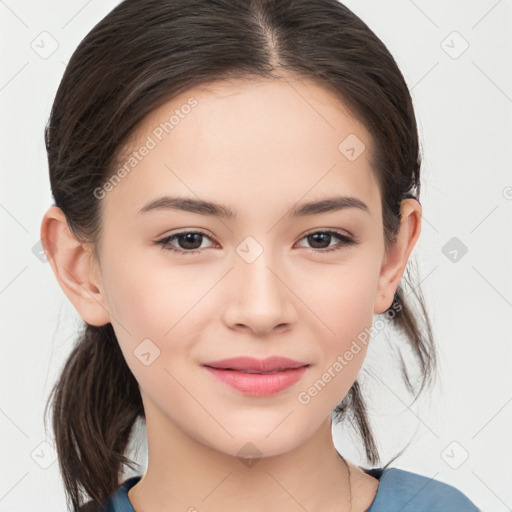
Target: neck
183, 474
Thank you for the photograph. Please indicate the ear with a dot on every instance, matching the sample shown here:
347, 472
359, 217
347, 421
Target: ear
395, 260
74, 267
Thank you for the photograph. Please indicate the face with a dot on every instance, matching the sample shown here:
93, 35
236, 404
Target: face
186, 288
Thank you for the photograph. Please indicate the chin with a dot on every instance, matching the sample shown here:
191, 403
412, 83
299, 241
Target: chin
257, 444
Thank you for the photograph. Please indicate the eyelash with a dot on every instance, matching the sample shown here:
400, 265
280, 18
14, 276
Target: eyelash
347, 241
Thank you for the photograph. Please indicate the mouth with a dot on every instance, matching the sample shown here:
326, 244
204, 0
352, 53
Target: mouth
251, 371
257, 377
247, 364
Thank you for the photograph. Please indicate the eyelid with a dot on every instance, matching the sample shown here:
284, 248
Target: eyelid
164, 241
339, 231
346, 240
185, 231
307, 233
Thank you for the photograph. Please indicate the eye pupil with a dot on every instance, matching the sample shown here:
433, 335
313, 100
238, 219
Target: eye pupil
189, 242
189, 239
317, 237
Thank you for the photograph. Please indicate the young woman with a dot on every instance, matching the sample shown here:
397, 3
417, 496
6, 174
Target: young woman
236, 190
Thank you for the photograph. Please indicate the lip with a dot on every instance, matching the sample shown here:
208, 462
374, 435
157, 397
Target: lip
251, 364
258, 377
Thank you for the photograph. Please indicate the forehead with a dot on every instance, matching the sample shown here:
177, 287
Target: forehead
249, 142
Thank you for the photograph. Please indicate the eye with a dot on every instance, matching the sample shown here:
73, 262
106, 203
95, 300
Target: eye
187, 239
320, 237
190, 241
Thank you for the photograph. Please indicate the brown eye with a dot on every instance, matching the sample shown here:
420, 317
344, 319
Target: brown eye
320, 241
188, 242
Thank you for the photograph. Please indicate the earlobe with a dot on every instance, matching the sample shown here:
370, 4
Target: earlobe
397, 256
72, 263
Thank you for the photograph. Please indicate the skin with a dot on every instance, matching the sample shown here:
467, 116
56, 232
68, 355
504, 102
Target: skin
259, 147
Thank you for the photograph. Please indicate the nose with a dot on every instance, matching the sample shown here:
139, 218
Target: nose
259, 300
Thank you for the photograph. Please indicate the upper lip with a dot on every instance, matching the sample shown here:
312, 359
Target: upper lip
270, 364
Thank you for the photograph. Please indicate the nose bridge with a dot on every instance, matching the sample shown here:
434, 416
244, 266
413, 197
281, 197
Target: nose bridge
260, 294
254, 263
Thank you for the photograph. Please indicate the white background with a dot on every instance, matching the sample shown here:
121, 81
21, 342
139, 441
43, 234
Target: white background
464, 110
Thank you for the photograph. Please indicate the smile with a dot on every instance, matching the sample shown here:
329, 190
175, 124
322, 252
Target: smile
258, 384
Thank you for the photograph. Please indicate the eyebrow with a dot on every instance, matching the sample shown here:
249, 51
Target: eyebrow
202, 207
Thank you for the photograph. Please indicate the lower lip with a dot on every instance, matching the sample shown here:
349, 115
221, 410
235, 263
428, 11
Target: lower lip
259, 384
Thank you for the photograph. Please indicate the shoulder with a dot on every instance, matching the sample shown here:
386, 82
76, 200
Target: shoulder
118, 501
412, 492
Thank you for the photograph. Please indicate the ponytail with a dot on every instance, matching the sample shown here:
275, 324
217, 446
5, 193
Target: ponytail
95, 404
405, 320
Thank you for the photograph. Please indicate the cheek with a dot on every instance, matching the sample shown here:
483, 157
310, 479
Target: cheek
158, 313
343, 300
154, 300
342, 297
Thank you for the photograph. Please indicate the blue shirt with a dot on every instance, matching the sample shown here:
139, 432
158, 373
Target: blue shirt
398, 490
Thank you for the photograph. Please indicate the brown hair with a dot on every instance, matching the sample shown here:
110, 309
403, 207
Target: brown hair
141, 55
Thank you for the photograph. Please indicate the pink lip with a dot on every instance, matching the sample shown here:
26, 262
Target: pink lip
269, 364
260, 377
